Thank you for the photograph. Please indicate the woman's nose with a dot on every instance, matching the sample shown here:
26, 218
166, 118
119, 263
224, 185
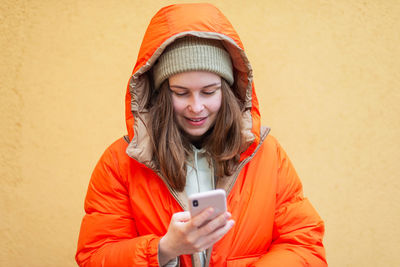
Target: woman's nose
196, 105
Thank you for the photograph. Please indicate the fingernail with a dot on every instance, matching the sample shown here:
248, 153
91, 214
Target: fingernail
230, 224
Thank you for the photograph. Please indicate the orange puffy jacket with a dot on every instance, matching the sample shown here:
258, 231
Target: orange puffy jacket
129, 205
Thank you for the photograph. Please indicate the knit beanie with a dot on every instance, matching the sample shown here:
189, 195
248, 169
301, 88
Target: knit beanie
190, 54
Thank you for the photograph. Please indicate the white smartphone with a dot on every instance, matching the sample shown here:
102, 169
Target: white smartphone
214, 198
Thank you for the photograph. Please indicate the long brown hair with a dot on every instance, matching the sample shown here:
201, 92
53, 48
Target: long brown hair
171, 147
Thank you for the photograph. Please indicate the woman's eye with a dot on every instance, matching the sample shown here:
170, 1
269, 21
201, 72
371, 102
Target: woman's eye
180, 93
209, 92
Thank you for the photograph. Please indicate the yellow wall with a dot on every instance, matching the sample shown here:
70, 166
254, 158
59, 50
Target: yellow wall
328, 80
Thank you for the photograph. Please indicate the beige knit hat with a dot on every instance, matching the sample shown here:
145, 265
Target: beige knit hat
193, 53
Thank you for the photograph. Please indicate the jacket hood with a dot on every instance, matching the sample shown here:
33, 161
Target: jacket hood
170, 23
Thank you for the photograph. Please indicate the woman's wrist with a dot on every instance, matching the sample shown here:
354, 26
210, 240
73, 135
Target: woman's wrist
164, 252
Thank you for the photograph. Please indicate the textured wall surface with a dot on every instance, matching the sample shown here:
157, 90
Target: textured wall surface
328, 81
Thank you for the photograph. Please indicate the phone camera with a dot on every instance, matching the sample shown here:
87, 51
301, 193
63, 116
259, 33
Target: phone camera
195, 203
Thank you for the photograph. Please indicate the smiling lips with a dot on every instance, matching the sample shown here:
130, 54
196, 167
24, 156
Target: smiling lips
196, 121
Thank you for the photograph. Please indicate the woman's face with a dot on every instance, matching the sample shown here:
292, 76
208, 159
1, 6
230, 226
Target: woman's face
196, 97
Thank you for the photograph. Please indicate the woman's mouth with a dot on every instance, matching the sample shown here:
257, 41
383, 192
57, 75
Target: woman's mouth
196, 121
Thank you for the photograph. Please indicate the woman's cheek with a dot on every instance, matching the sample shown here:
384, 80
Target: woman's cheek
179, 106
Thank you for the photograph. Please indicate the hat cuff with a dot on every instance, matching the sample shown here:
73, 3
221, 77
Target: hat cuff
192, 56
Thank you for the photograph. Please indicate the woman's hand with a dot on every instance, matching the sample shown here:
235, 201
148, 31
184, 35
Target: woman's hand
189, 235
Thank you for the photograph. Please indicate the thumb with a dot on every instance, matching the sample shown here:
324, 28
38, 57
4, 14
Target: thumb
183, 216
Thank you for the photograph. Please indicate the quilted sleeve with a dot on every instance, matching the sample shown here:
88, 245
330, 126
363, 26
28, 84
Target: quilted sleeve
298, 229
108, 236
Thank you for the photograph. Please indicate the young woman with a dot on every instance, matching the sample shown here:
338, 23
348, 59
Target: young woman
194, 125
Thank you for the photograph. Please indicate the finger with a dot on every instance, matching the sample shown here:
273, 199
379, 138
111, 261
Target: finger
216, 223
183, 216
202, 217
214, 237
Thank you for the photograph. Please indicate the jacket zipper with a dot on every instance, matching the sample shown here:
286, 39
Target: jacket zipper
244, 162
